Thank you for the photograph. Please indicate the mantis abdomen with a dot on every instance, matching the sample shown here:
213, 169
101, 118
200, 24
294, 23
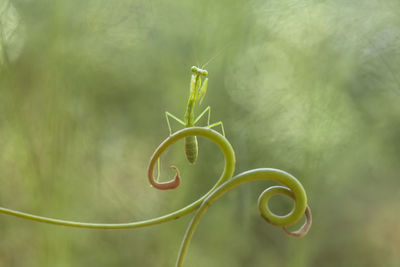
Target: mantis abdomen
191, 148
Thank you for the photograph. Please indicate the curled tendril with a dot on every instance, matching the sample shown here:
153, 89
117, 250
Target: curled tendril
292, 188
266, 213
214, 136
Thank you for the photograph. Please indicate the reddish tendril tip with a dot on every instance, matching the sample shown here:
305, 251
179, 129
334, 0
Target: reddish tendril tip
303, 229
172, 184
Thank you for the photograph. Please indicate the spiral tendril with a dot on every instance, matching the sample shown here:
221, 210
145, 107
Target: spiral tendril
292, 188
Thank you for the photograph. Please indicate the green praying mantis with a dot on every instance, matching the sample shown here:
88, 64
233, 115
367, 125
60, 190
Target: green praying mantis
198, 89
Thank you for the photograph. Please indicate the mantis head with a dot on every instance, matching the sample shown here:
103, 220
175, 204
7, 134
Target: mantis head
199, 71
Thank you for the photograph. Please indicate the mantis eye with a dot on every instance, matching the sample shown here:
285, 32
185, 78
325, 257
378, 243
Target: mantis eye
194, 69
204, 72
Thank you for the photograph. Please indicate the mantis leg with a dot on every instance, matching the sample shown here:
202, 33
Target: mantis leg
158, 169
167, 114
208, 110
203, 91
216, 124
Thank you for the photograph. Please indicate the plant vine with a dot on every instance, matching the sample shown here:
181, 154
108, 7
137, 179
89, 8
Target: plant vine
291, 188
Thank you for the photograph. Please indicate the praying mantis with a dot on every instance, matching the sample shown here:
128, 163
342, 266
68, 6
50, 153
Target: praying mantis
198, 89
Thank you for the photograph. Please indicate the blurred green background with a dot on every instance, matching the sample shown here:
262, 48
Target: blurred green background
307, 86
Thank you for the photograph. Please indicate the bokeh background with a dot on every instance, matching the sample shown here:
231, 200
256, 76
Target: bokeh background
308, 86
